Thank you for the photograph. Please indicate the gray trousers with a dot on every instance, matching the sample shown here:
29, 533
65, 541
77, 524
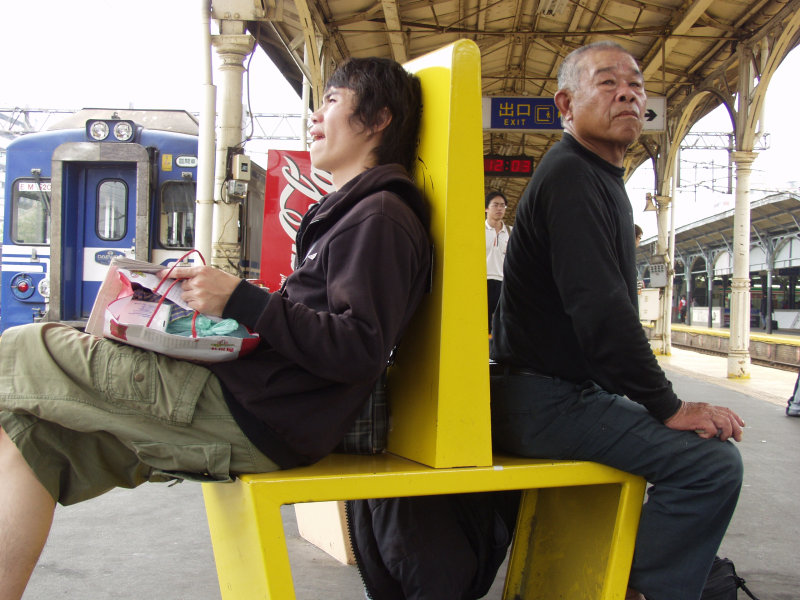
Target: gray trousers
695, 483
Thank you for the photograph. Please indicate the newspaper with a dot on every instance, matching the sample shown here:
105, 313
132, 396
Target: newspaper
146, 275
131, 264
139, 271
150, 314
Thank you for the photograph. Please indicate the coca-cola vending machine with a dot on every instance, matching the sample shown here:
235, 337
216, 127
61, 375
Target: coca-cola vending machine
292, 186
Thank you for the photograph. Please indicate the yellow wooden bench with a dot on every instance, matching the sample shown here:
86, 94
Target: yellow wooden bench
577, 524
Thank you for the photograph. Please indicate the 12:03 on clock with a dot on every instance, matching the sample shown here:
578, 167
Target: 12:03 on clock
507, 166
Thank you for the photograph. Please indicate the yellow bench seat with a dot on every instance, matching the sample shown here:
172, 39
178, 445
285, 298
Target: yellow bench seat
574, 538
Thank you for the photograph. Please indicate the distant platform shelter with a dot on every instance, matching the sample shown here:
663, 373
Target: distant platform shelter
704, 266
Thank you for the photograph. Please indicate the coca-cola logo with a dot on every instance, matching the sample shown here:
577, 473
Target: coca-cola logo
292, 187
299, 193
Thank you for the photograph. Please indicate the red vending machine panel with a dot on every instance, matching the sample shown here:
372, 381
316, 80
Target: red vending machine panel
292, 186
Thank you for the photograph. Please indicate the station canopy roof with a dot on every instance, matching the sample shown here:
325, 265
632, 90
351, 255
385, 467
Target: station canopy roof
682, 45
774, 216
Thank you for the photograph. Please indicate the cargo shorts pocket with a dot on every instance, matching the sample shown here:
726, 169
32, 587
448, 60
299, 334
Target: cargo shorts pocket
194, 462
141, 382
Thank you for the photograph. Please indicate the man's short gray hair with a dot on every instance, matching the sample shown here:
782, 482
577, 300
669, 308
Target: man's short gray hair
569, 72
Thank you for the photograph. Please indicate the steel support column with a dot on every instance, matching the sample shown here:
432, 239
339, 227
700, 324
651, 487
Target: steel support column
204, 208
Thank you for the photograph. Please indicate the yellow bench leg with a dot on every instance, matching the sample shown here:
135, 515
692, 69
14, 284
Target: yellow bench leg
571, 543
574, 543
247, 536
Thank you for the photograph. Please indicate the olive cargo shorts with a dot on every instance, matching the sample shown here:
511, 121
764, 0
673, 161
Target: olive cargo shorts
89, 414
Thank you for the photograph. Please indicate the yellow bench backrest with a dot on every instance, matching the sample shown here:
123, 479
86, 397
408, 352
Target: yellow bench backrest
439, 386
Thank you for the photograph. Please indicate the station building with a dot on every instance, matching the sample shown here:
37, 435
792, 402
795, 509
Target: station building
704, 266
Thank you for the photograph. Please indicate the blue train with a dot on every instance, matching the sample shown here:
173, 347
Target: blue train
103, 183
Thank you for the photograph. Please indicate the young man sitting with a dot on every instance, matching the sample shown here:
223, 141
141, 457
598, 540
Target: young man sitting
81, 415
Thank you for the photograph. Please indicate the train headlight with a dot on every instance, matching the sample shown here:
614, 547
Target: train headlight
114, 130
44, 288
98, 130
123, 131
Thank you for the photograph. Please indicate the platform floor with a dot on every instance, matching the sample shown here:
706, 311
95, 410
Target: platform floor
153, 543
781, 348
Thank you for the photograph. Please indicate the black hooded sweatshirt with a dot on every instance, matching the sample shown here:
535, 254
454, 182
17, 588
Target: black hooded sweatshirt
364, 264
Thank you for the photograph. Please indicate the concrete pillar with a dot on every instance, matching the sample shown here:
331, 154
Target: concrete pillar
661, 342
232, 46
687, 278
710, 288
739, 348
768, 296
665, 163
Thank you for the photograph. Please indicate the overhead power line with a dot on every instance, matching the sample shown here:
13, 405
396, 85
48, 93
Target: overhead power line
15, 122
717, 140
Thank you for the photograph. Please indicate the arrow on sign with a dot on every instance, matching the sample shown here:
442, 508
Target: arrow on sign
650, 114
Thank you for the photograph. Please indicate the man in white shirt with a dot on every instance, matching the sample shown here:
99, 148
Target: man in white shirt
496, 241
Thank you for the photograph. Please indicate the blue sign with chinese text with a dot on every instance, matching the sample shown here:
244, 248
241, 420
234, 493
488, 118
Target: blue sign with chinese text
520, 113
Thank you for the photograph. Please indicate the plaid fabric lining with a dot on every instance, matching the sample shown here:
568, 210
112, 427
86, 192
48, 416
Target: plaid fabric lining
368, 433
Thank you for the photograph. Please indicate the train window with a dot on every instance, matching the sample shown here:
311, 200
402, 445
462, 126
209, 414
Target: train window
30, 206
176, 223
112, 210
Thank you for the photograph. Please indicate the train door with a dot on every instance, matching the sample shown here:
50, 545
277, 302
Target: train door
100, 205
106, 229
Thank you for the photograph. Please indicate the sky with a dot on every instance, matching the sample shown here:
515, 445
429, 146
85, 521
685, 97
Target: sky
112, 54
775, 170
146, 54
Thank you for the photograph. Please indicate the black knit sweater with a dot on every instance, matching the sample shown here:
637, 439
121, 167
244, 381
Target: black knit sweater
569, 303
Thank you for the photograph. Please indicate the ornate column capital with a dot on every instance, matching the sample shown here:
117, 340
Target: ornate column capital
743, 157
232, 48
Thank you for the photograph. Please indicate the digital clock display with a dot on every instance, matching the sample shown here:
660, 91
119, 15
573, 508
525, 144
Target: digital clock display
507, 166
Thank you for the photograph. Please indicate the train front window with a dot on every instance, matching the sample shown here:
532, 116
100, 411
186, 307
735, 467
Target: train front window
112, 210
176, 222
30, 206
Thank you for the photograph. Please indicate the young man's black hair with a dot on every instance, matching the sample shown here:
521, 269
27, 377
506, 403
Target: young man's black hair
382, 84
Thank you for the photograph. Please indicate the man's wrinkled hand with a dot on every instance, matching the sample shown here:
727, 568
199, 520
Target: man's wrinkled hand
205, 289
707, 421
